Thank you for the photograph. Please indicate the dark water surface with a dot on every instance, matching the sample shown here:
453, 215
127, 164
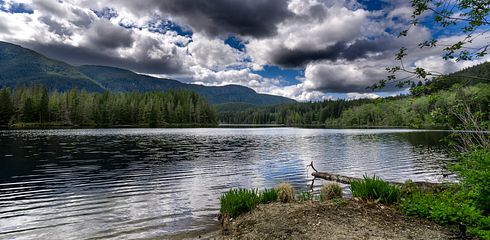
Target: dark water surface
146, 183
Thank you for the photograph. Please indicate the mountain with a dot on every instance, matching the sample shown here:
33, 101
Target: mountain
473, 75
23, 67
20, 66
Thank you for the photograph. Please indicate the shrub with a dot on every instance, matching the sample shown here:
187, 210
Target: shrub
377, 189
467, 202
330, 191
447, 207
474, 170
285, 192
238, 201
268, 196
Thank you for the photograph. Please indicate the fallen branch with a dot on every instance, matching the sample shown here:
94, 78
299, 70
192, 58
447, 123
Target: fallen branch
425, 186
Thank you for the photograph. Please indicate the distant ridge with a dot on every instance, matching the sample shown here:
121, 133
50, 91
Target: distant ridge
24, 67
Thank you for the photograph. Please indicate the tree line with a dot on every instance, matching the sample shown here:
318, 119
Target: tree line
441, 109
294, 114
25, 106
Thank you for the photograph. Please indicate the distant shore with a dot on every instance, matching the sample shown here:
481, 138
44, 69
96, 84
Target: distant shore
58, 125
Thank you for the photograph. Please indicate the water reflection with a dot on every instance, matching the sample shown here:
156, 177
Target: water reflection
134, 183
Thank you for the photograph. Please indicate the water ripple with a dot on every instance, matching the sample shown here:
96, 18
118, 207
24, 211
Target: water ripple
148, 183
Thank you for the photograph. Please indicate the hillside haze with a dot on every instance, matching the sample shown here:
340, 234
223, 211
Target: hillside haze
23, 67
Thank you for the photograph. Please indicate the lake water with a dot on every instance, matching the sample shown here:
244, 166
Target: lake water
150, 183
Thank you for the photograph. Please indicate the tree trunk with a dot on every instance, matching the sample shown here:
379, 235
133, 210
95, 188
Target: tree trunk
425, 186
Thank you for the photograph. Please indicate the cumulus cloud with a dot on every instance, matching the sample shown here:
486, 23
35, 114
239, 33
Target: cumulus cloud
213, 53
341, 76
308, 37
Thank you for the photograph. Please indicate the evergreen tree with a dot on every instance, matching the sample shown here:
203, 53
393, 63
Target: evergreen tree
44, 106
6, 107
29, 111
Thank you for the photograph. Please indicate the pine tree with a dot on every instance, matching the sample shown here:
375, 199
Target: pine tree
28, 111
6, 107
44, 106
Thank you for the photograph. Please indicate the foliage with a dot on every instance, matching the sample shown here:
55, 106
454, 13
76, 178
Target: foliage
454, 80
474, 171
467, 202
377, 189
293, 114
238, 201
467, 16
438, 110
269, 195
81, 108
285, 192
241, 200
6, 107
330, 191
305, 196
445, 207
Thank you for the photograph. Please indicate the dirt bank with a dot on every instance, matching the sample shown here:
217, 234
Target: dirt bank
316, 220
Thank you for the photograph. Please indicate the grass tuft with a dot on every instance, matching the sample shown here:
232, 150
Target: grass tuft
285, 192
238, 201
305, 196
330, 191
377, 189
268, 196
241, 200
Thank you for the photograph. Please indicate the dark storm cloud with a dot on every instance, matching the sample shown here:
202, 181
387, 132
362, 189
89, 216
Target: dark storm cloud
298, 58
104, 34
83, 55
257, 18
359, 49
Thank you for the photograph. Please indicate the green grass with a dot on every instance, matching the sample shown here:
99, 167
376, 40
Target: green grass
268, 196
376, 189
305, 196
238, 201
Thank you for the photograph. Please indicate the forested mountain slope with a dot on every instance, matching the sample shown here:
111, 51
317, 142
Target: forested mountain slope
23, 67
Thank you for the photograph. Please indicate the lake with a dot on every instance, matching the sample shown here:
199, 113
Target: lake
149, 183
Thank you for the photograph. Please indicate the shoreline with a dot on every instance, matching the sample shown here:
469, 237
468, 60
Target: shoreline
344, 219
229, 126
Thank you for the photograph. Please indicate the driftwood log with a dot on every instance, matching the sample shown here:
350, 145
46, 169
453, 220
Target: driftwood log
425, 186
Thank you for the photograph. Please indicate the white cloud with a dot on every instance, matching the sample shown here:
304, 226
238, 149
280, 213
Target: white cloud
214, 53
355, 95
340, 75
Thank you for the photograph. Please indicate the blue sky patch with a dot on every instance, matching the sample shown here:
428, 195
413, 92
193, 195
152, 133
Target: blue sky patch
164, 25
235, 43
106, 13
288, 75
16, 8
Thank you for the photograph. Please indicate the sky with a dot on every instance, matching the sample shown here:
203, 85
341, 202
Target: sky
307, 50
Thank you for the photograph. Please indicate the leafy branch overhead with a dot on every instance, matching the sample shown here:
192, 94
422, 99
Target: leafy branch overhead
470, 17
